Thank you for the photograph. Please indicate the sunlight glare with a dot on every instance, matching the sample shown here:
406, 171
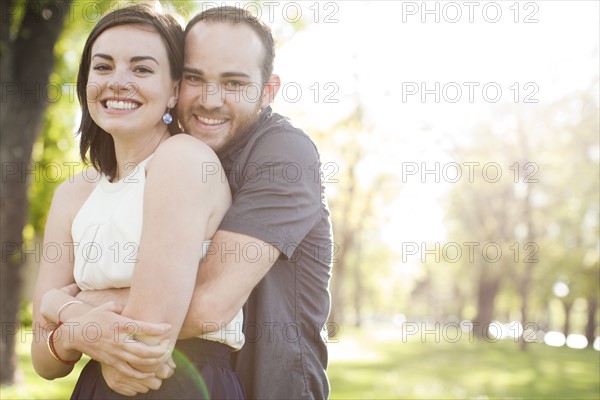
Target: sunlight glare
577, 341
554, 339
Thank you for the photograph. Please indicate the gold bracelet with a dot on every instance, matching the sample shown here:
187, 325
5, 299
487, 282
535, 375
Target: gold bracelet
68, 303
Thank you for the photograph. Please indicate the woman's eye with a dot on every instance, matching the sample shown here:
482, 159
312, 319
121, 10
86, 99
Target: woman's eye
143, 70
101, 67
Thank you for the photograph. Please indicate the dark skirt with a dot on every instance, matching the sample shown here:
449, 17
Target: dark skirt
203, 372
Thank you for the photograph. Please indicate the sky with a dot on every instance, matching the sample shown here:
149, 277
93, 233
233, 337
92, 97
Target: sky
383, 53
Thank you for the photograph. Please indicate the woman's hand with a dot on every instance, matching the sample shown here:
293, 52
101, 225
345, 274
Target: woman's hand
107, 337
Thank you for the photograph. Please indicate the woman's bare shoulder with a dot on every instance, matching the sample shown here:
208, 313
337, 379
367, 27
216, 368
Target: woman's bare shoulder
76, 189
185, 145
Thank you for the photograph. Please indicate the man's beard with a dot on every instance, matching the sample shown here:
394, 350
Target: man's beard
244, 125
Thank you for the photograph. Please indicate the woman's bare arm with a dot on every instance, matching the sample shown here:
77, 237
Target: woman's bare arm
54, 272
70, 340
183, 206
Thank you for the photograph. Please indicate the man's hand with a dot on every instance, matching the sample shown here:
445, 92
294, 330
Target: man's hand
72, 290
167, 369
128, 386
98, 297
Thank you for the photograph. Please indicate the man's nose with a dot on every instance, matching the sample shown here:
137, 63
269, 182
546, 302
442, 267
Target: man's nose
212, 96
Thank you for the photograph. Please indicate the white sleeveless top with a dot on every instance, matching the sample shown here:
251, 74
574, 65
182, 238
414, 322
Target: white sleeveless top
106, 233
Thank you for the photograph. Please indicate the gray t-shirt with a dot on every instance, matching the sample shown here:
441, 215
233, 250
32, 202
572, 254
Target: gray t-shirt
278, 197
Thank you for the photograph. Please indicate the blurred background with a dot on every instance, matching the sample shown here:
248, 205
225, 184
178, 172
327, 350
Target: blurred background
460, 149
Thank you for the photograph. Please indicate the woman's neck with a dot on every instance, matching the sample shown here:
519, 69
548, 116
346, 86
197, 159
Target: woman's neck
130, 153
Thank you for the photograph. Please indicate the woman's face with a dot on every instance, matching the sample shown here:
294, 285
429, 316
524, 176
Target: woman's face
129, 82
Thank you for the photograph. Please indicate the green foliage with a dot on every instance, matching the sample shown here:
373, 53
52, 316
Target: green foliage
55, 154
363, 283
550, 201
26, 313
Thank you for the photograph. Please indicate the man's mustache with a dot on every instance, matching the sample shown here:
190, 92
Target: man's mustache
212, 114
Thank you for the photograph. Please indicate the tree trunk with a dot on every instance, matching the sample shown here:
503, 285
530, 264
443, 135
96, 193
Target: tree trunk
360, 228
27, 61
358, 288
567, 325
525, 282
590, 327
347, 237
488, 288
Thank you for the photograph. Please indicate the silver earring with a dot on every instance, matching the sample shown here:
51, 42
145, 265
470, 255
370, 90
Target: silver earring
167, 117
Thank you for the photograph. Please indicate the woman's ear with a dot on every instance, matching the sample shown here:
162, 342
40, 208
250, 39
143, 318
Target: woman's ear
174, 96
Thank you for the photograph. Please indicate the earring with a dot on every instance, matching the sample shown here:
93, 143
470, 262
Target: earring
167, 117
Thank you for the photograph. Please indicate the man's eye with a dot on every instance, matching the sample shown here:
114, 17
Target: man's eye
233, 85
192, 79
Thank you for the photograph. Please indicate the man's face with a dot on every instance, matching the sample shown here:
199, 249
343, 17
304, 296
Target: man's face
221, 91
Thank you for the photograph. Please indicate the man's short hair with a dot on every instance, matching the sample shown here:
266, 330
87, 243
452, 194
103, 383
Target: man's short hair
235, 15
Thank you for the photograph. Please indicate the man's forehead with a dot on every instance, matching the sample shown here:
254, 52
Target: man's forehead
224, 31
219, 45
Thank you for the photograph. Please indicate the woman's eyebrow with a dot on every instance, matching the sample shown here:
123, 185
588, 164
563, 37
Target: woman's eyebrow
133, 59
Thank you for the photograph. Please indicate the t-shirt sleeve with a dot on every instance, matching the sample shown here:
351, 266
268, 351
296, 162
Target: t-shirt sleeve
279, 199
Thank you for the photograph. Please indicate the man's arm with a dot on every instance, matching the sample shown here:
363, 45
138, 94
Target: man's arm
230, 270
225, 280
226, 277
271, 214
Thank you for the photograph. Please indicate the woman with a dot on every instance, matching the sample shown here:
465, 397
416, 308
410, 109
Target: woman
128, 85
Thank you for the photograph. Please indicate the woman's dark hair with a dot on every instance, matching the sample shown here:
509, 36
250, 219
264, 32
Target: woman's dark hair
93, 138
235, 15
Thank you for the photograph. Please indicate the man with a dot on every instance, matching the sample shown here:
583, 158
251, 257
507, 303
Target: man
272, 253
273, 249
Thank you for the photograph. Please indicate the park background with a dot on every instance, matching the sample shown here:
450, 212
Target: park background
460, 150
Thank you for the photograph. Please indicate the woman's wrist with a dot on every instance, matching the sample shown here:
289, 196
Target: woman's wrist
62, 343
51, 302
73, 326
57, 306
73, 309
66, 305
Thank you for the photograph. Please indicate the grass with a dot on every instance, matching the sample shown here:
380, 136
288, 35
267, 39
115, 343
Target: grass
31, 386
377, 363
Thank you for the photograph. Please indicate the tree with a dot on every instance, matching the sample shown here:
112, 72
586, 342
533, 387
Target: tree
40, 44
482, 217
356, 201
576, 203
29, 32
544, 215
